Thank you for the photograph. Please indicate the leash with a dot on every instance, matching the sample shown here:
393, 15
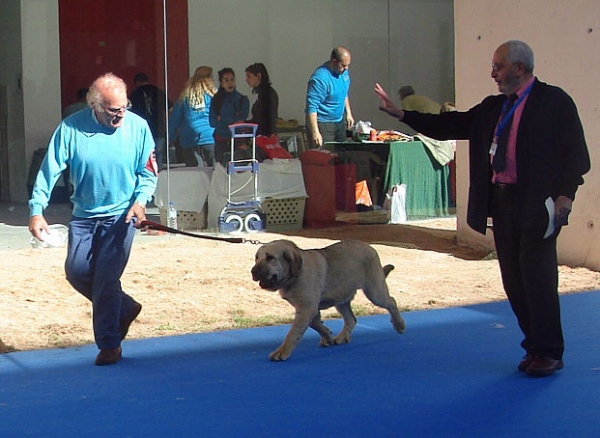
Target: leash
159, 227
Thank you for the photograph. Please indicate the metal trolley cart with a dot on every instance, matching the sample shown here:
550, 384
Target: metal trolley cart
246, 215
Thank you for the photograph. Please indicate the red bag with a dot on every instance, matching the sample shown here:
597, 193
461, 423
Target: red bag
271, 147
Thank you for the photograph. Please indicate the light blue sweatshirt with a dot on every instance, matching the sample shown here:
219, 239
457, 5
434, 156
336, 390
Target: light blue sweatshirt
110, 168
326, 94
192, 123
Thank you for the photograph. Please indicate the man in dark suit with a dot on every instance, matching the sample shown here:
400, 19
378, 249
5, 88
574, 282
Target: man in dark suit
527, 156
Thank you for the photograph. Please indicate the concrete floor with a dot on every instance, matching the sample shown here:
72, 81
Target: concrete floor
14, 219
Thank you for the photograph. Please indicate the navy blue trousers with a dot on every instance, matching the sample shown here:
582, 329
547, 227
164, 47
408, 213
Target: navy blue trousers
98, 252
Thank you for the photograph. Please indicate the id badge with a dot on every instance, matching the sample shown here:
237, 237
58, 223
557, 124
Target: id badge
493, 148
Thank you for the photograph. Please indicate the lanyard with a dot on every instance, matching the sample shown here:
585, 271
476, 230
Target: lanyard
511, 111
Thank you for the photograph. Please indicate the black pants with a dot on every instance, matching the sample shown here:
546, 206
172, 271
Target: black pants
205, 152
529, 268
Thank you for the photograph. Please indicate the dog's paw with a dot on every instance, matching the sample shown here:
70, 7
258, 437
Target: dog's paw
342, 338
326, 341
279, 355
399, 324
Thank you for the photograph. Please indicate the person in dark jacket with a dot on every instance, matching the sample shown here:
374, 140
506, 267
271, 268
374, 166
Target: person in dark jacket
148, 101
264, 110
527, 158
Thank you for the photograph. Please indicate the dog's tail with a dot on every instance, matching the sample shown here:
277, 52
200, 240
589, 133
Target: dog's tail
387, 269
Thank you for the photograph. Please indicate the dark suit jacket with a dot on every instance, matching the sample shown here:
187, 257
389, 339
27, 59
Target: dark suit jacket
552, 154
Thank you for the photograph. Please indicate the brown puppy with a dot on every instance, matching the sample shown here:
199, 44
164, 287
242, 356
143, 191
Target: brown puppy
311, 280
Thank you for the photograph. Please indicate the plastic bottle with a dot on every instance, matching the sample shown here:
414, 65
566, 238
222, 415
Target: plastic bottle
172, 216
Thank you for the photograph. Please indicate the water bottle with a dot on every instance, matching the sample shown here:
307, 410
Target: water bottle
172, 216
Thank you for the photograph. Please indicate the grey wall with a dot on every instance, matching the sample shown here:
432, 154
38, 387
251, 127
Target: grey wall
11, 79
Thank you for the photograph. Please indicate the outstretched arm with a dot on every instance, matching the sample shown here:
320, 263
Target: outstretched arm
387, 105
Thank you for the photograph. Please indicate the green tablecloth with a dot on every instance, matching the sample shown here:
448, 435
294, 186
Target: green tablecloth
427, 182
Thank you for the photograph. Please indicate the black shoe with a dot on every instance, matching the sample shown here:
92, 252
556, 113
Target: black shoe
544, 366
126, 322
527, 360
109, 356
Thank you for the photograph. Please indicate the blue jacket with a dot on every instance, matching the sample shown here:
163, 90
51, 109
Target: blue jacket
193, 123
235, 108
326, 94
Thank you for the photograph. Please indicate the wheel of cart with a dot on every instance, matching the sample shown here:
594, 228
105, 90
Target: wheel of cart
246, 215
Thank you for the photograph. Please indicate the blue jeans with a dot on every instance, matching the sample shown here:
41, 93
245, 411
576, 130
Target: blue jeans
98, 252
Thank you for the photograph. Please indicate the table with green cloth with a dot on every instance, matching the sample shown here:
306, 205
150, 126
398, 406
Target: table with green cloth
427, 181
411, 163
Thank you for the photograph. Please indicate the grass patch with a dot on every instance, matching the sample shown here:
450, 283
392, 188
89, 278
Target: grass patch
241, 321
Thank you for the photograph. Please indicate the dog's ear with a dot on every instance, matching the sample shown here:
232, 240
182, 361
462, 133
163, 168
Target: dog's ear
294, 259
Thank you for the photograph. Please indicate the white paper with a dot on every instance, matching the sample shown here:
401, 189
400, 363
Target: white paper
550, 208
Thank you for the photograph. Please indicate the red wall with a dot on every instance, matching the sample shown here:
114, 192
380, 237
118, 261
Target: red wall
123, 37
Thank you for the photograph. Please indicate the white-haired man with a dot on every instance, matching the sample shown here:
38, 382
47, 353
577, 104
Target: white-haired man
110, 156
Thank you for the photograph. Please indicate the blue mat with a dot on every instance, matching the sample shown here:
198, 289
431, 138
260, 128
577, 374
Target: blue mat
452, 374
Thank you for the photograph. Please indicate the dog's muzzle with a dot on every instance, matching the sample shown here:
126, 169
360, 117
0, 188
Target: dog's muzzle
265, 279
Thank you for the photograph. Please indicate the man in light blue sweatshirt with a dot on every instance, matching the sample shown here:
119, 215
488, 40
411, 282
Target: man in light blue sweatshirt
328, 112
110, 156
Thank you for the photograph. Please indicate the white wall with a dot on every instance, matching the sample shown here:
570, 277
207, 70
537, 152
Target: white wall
41, 76
293, 37
565, 38
29, 53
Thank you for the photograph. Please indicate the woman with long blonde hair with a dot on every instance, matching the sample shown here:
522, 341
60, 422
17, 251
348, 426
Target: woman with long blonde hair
190, 119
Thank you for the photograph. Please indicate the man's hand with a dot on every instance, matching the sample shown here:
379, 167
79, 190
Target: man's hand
137, 212
562, 209
37, 224
317, 139
313, 125
349, 121
387, 105
349, 116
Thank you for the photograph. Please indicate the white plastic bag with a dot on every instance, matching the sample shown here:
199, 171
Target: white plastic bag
58, 236
397, 199
362, 127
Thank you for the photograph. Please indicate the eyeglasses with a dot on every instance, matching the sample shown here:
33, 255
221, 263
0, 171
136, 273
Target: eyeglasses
116, 111
497, 67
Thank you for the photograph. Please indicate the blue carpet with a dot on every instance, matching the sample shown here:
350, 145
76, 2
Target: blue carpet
452, 374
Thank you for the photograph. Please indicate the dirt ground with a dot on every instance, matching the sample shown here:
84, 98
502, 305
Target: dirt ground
189, 285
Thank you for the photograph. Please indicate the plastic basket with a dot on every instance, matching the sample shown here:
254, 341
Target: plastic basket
187, 220
284, 214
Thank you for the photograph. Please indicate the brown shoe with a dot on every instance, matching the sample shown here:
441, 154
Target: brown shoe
109, 356
544, 366
124, 323
527, 360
